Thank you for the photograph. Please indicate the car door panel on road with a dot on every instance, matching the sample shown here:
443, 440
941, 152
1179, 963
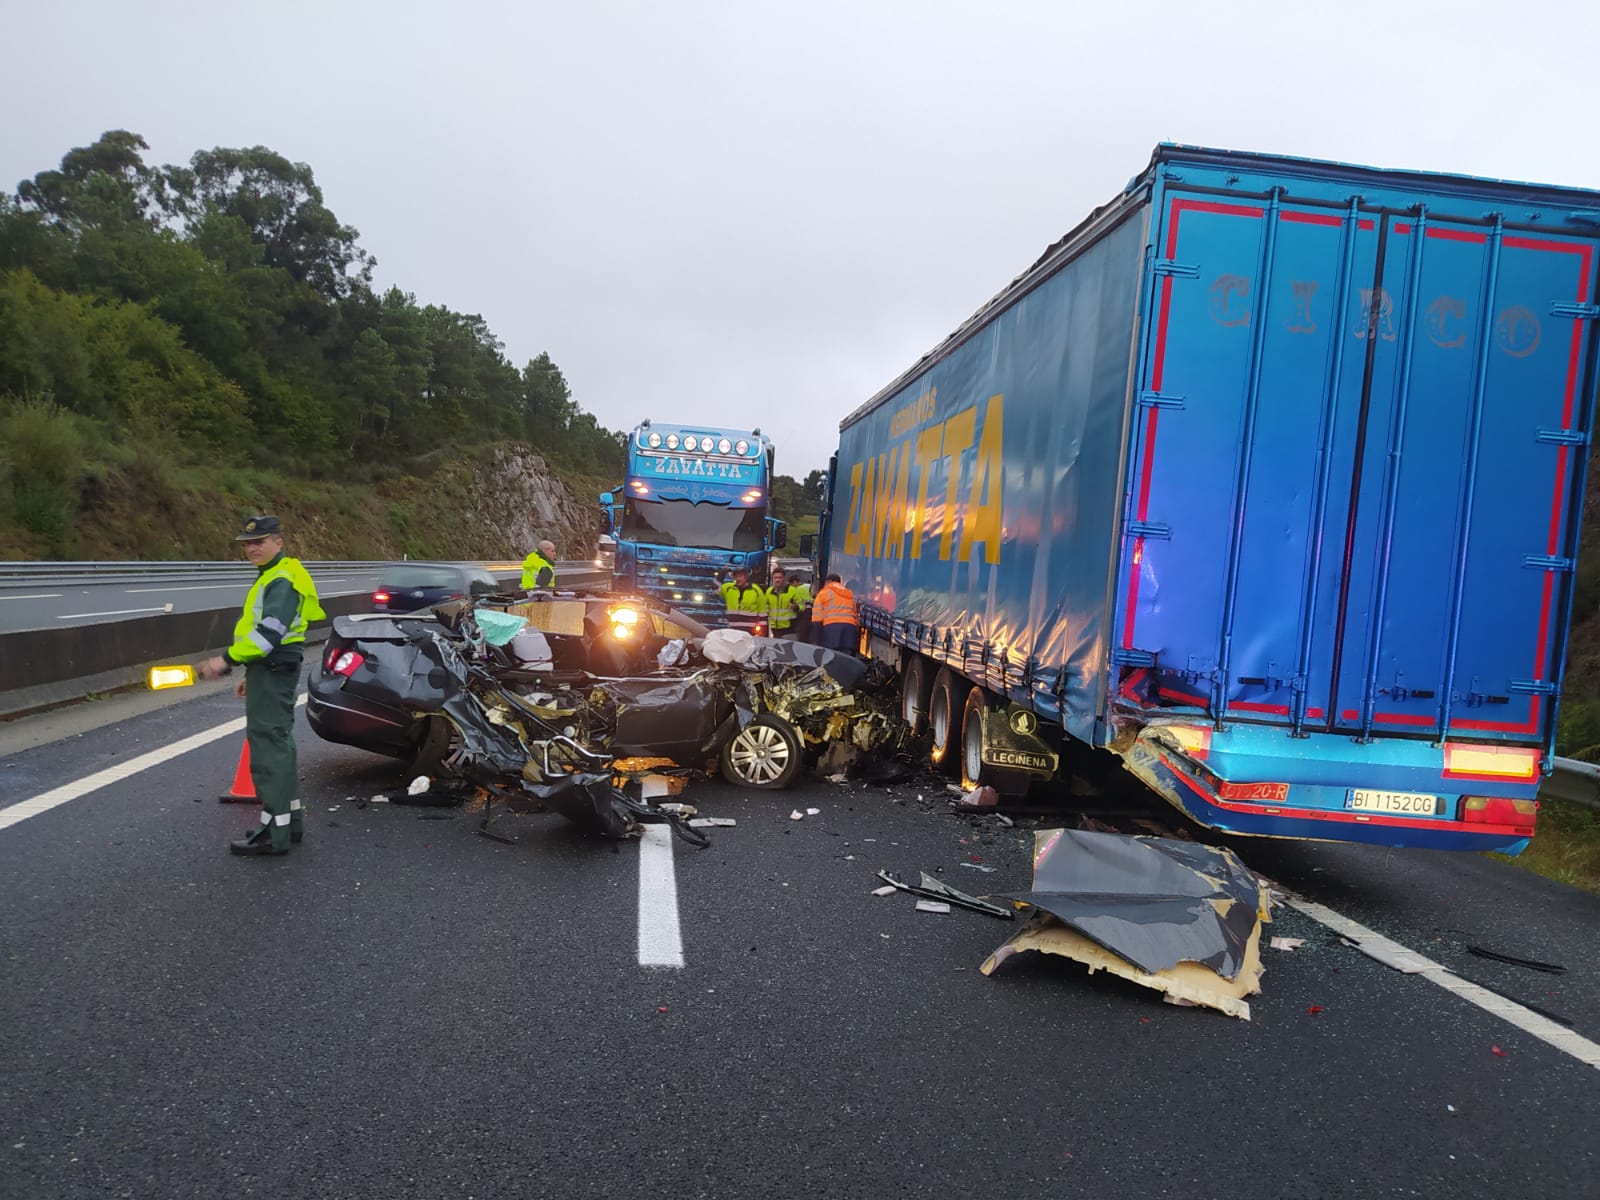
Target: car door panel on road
408, 1008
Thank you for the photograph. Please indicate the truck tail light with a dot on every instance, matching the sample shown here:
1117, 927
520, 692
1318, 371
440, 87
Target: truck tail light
1499, 810
1462, 760
1193, 740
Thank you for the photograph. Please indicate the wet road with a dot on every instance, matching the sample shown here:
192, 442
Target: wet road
403, 1008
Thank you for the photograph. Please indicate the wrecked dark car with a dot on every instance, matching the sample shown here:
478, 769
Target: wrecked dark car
516, 694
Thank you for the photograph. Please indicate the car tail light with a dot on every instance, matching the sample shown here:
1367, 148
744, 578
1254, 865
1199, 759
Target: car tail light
380, 597
1499, 810
346, 663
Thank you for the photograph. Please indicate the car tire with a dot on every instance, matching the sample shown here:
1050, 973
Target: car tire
765, 754
914, 692
437, 743
945, 706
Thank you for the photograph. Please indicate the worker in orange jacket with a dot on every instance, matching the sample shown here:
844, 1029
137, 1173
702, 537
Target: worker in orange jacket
835, 622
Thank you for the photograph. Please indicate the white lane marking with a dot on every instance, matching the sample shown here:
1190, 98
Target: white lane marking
35, 596
197, 587
1546, 1030
121, 612
56, 797
660, 938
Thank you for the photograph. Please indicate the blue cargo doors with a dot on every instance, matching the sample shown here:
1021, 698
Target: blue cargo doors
1352, 465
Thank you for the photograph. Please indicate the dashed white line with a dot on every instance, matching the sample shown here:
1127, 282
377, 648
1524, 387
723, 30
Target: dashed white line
1530, 1022
35, 596
55, 797
660, 937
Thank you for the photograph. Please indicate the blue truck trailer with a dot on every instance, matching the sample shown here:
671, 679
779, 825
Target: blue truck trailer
1266, 479
692, 509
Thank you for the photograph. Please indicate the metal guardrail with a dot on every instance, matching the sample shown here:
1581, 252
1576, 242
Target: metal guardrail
34, 574
1573, 781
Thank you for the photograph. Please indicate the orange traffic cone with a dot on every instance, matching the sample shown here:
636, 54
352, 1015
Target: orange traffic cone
243, 790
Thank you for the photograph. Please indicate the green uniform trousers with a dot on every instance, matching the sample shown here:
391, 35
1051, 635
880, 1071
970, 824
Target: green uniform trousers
269, 692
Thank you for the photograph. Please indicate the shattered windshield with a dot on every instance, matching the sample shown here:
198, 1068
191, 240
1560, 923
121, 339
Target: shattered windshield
705, 525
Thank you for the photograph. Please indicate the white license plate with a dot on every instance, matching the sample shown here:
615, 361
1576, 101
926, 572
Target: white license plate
1417, 804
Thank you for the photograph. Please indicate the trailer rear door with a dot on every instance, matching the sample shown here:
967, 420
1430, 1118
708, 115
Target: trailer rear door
1354, 464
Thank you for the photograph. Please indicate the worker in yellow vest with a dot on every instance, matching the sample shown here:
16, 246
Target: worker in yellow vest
742, 596
787, 604
539, 568
269, 642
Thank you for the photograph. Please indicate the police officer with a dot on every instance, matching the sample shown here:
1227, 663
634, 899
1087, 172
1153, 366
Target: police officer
268, 641
539, 568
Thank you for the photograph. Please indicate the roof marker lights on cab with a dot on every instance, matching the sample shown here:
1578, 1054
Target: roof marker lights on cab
691, 442
741, 447
723, 446
1465, 761
1500, 810
1193, 740
655, 440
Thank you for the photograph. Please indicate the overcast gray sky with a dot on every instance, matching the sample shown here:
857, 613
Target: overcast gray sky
758, 214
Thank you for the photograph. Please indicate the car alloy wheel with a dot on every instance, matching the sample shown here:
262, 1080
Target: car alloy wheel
764, 754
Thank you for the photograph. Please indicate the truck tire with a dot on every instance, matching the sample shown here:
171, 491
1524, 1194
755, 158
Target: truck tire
914, 673
974, 771
944, 718
765, 754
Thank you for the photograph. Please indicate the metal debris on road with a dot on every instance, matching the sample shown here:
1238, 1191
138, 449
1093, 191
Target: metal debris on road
712, 823
1179, 917
1286, 943
936, 889
885, 890
933, 906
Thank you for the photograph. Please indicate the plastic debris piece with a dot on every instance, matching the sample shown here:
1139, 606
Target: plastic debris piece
885, 890
837, 777
675, 806
1004, 820
1450, 1108
1498, 1051
1287, 943
812, 812
380, 800
972, 866
1397, 959
661, 1008
797, 815
933, 906
1314, 1009
418, 785
712, 823
953, 787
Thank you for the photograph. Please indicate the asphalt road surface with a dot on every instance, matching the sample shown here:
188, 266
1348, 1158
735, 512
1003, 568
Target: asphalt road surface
403, 1008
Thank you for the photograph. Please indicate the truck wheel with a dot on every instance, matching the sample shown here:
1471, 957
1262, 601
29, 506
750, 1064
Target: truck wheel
944, 719
914, 693
765, 754
972, 740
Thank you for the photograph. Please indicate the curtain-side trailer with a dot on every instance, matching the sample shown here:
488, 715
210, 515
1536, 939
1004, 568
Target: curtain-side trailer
1266, 478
